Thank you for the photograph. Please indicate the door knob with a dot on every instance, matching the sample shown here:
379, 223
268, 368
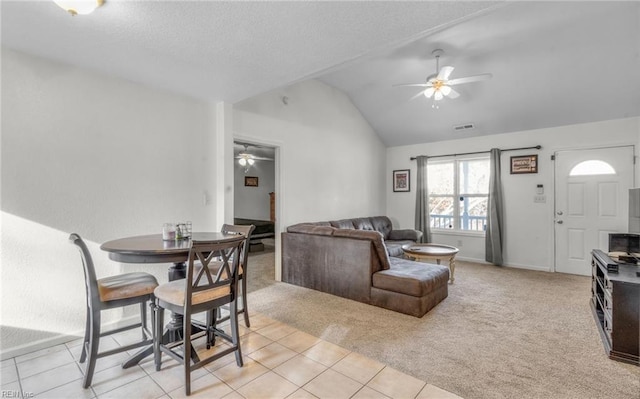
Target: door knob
559, 212
559, 222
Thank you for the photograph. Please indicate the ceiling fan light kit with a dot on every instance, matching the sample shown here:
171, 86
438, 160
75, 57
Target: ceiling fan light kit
246, 159
81, 7
438, 85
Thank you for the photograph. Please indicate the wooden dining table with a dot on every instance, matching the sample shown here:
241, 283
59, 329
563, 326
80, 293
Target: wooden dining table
153, 249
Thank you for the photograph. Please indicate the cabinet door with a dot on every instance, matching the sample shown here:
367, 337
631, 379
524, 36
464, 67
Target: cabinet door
626, 305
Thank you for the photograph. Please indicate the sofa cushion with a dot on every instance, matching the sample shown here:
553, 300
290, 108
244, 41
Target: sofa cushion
411, 278
382, 224
363, 224
343, 224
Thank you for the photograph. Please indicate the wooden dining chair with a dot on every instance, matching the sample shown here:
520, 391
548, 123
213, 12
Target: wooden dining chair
201, 291
109, 293
246, 231
244, 258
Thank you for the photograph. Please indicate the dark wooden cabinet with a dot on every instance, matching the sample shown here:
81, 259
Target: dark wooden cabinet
615, 302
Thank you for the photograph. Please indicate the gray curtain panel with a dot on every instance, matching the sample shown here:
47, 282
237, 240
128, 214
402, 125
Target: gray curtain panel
422, 200
495, 213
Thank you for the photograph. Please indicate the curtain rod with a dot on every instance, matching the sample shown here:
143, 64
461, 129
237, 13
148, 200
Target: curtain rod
480, 152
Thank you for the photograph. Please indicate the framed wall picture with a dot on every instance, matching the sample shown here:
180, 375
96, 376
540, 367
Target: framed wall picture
524, 164
251, 181
401, 180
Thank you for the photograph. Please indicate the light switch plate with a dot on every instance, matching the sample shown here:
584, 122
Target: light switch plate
541, 199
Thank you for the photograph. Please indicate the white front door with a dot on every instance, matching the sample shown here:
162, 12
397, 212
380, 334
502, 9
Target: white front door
592, 194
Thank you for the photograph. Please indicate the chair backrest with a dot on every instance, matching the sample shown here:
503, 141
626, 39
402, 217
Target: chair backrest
201, 284
245, 230
90, 279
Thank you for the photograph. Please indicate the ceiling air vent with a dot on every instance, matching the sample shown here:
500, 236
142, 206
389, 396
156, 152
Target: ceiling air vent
465, 126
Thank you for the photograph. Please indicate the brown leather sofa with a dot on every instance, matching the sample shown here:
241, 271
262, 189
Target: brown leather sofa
350, 258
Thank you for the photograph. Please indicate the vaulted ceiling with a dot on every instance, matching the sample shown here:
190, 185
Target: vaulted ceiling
552, 63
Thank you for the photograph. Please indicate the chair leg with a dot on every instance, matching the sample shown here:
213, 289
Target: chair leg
187, 353
92, 347
152, 312
244, 302
87, 331
235, 336
143, 318
211, 325
157, 328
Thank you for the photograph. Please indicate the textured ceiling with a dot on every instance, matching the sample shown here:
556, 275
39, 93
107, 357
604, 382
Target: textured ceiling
222, 51
552, 64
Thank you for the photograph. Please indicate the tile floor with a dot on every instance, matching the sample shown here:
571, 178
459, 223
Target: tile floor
279, 362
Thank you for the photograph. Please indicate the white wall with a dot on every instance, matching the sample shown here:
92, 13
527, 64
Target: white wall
87, 153
330, 162
254, 202
529, 226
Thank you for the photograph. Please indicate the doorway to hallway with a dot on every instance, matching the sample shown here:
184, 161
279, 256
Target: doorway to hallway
255, 192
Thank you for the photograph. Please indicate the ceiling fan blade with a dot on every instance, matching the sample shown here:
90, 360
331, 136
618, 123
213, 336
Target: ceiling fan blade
469, 79
254, 157
414, 84
444, 73
453, 94
420, 93
429, 92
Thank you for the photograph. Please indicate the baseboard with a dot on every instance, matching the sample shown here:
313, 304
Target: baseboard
512, 265
60, 339
530, 267
37, 345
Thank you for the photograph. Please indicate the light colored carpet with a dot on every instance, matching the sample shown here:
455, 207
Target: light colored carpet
501, 333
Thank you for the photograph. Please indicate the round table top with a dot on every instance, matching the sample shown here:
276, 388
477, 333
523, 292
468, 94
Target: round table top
153, 249
430, 249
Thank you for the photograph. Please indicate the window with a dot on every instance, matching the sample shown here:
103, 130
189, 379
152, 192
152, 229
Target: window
592, 167
458, 194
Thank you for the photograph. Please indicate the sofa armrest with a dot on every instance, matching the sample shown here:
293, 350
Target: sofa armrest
405, 234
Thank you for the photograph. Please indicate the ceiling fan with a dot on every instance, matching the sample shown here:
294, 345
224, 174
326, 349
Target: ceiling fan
439, 85
246, 159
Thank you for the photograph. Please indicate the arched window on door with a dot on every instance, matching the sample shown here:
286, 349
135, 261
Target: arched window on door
592, 167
